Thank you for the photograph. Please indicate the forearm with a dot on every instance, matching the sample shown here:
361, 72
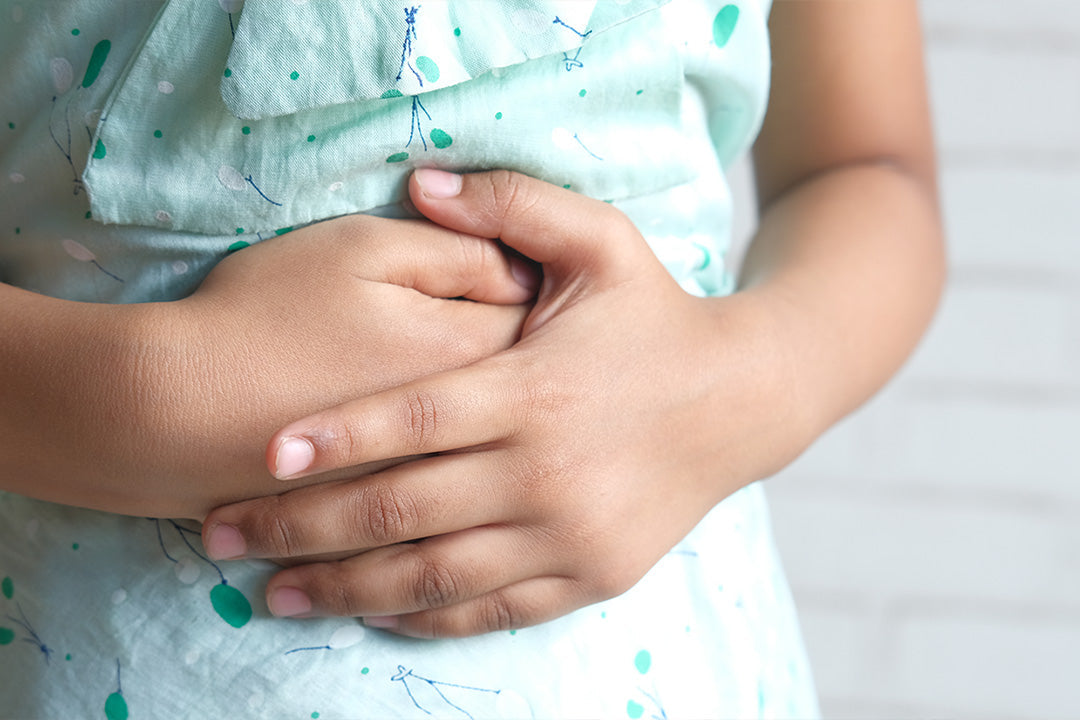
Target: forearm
851, 265
67, 428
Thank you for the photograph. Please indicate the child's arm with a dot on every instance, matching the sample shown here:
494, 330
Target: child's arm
629, 408
163, 409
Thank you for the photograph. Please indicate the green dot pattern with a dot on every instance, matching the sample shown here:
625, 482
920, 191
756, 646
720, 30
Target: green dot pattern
116, 707
724, 24
311, 138
7, 587
228, 72
498, 116
231, 605
294, 75
245, 130
428, 67
75, 32
157, 133
441, 138
398, 157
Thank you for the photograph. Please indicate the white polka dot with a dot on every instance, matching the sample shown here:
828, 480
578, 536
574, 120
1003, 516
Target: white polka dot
180, 267
119, 596
77, 250
17, 13
165, 87
531, 22
163, 216
187, 571
256, 700
32, 528
346, 636
334, 187
192, 657
510, 704
231, 178
92, 117
62, 74
562, 138
17, 178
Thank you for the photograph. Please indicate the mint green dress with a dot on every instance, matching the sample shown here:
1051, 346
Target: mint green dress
141, 141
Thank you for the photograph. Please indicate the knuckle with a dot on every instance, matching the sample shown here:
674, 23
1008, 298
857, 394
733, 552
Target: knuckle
337, 593
435, 585
421, 418
497, 613
383, 514
510, 192
275, 533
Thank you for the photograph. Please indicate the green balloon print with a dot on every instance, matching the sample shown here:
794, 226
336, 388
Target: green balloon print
441, 138
231, 605
116, 707
724, 24
428, 67
643, 661
97, 59
398, 157
391, 93
7, 587
634, 710
7, 635
99, 150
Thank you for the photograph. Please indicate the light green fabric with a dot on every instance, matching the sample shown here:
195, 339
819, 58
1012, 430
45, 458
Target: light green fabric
352, 96
104, 615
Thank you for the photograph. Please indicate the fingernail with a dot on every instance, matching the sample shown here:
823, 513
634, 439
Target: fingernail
438, 183
224, 542
294, 456
383, 622
288, 601
525, 273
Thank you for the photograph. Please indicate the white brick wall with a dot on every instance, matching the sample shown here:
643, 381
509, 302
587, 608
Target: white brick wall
933, 538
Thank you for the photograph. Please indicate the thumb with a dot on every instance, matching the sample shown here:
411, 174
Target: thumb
568, 233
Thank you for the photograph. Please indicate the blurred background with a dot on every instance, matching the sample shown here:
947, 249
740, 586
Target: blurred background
932, 539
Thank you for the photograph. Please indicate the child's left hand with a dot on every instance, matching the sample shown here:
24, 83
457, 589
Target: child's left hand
562, 469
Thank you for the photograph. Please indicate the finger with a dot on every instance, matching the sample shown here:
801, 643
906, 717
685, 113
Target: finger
407, 578
564, 230
455, 409
526, 603
442, 263
419, 499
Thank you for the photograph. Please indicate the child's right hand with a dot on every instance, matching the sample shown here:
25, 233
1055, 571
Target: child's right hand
163, 409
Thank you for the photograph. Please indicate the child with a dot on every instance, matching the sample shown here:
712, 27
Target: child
623, 409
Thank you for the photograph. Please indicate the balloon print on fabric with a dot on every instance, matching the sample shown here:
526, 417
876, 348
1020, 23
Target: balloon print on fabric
650, 701
422, 69
14, 626
60, 129
81, 253
229, 603
427, 693
115, 705
344, 637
